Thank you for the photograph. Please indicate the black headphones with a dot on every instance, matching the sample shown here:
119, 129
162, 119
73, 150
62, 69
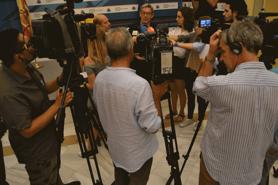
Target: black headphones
234, 46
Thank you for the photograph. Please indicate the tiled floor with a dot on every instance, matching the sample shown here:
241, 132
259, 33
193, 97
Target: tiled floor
75, 168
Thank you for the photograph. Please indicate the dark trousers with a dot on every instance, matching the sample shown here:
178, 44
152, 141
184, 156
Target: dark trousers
190, 77
270, 158
44, 172
2, 166
204, 177
139, 177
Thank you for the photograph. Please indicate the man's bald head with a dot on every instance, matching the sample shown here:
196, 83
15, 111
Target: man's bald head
103, 21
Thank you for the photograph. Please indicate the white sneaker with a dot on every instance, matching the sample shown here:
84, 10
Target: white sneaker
186, 123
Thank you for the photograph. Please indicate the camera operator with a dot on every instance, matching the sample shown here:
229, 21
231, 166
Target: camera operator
243, 116
26, 111
142, 67
127, 112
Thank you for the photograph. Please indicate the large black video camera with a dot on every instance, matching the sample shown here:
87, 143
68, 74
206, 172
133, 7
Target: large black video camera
270, 32
57, 35
159, 52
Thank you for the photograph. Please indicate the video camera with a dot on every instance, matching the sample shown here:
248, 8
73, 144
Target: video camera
159, 52
57, 35
270, 43
210, 25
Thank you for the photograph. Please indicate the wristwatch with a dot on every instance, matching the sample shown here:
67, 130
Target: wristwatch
59, 82
211, 61
176, 44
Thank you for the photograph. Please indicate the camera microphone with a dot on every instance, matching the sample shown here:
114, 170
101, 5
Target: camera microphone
83, 16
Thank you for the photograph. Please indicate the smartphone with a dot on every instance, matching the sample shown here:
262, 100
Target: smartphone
205, 23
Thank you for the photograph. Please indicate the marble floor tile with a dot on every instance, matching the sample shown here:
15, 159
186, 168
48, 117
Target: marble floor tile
76, 168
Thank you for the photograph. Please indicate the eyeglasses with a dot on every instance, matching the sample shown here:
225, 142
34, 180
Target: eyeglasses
146, 13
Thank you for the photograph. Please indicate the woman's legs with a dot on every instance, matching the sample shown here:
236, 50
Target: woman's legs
180, 87
174, 96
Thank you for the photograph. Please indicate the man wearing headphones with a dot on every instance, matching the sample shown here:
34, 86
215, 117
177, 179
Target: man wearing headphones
243, 118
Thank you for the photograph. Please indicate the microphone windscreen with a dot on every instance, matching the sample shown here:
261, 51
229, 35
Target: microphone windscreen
150, 29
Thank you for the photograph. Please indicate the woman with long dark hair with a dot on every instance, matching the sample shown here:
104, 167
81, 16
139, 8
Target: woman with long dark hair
185, 21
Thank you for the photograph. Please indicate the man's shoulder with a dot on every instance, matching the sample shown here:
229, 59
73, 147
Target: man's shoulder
5, 79
217, 79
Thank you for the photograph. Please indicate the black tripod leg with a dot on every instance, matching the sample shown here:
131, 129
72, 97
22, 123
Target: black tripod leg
186, 156
171, 145
96, 122
81, 135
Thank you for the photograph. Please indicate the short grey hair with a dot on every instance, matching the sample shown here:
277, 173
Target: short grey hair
245, 32
146, 5
118, 42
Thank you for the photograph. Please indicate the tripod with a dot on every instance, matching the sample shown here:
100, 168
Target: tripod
84, 120
186, 156
171, 145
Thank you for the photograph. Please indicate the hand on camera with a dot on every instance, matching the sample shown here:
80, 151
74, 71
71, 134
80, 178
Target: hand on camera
68, 99
173, 42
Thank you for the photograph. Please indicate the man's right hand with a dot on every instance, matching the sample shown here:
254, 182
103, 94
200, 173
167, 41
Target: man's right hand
213, 44
68, 99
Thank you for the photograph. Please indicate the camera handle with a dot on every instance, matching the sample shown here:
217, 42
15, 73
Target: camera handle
171, 145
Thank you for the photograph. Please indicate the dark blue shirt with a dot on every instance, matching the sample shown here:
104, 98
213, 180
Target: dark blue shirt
9, 15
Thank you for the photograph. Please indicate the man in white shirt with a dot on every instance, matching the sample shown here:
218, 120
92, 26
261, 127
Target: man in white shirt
243, 116
127, 112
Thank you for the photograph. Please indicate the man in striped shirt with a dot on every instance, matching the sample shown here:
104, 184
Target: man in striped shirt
244, 109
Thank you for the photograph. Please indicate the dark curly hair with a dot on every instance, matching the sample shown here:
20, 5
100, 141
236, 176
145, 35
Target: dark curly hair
188, 15
238, 6
8, 46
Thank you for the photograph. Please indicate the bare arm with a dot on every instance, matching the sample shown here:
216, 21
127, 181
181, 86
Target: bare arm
158, 91
51, 86
208, 64
45, 118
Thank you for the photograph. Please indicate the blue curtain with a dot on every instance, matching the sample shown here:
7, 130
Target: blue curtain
9, 15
